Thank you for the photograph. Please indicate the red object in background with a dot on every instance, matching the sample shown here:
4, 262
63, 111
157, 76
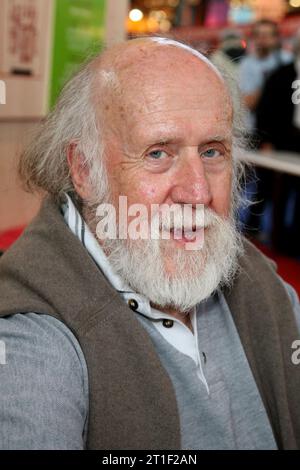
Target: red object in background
8, 237
216, 14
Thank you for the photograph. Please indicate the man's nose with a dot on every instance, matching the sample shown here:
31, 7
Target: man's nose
190, 183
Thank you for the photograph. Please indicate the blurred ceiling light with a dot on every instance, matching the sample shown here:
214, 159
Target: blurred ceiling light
294, 3
136, 15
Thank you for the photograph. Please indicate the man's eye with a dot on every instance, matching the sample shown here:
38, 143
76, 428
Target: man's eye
157, 154
211, 153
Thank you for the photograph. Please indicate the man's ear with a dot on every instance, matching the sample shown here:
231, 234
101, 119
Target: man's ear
78, 171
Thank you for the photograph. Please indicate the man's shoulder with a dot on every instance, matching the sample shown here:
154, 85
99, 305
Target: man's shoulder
48, 270
259, 271
294, 298
253, 256
44, 337
44, 384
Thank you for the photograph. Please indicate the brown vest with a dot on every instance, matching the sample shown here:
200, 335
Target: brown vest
132, 400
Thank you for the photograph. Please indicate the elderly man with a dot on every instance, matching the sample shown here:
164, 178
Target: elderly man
150, 342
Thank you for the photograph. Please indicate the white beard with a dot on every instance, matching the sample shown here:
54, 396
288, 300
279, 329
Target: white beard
195, 275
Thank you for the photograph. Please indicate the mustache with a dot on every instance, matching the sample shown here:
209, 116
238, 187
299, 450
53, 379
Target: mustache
194, 220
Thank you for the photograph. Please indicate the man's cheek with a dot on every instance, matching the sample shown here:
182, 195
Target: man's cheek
221, 202
147, 191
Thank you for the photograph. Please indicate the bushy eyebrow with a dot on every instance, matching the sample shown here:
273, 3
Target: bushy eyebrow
226, 140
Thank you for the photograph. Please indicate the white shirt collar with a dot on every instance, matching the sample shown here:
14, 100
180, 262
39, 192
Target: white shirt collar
80, 229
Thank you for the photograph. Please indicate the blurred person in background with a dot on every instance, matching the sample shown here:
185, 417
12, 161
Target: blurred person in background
257, 66
255, 69
278, 114
278, 122
230, 52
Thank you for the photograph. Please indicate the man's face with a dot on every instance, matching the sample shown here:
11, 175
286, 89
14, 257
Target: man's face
266, 39
170, 138
167, 137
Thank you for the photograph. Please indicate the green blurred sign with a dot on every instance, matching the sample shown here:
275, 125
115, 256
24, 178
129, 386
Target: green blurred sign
78, 33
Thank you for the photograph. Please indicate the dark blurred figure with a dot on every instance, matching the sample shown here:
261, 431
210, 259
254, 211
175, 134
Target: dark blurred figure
278, 121
255, 70
230, 52
278, 115
258, 66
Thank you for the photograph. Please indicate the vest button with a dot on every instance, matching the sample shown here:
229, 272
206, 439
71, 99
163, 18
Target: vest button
168, 323
132, 303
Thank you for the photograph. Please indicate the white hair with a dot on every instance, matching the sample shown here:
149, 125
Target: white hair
43, 165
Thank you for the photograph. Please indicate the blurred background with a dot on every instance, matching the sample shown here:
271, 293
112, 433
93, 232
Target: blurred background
257, 41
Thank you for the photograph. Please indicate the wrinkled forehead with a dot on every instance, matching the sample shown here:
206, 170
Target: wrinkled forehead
145, 78
159, 57
188, 49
